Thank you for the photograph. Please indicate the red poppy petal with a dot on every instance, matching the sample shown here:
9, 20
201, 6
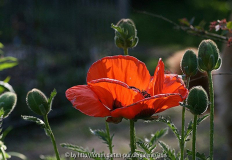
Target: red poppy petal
126, 69
86, 101
147, 107
114, 93
156, 84
174, 84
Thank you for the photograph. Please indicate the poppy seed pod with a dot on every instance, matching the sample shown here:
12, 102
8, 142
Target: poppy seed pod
8, 102
208, 56
38, 102
197, 100
189, 63
125, 34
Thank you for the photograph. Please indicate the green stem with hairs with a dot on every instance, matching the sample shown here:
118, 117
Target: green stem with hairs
109, 139
194, 137
182, 143
125, 51
132, 139
211, 92
49, 130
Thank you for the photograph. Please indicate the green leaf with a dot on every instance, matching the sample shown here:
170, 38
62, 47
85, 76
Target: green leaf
229, 25
80, 149
198, 155
171, 125
19, 155
7, 86
34, 119
200, 119
158, 135
148, 148
116, 28
190, 126
8, 102
170, 153
8, 62
50, 100
102, 134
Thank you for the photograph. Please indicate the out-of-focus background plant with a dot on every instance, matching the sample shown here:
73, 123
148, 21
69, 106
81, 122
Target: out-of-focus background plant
56, 41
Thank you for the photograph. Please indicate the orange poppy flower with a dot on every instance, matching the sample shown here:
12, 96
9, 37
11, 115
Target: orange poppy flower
121, 87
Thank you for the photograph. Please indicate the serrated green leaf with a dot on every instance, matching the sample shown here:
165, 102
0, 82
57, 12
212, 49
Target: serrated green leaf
190, 126
200, 119
34, 119
158, 135
80, 149
50, 100
101, 134
148, 148
73, 147
198, 155
171, 125
169, 152
8, 62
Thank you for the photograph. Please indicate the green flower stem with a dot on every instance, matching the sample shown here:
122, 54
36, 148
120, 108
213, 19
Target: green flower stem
194, 137
3, 153
125, 51
211, 92
132, 139
109, 139
182, 143
51, 136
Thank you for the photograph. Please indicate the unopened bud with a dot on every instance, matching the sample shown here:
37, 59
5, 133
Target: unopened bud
189, 63
125, 34
38, 102
208, 56
197, 100
7, 103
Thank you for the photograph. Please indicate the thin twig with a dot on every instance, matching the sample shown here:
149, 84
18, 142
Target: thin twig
189, 29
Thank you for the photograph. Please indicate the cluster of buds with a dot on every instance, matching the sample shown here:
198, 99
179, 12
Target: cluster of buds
208, 59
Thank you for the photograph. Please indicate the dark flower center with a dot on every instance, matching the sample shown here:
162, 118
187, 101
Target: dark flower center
143, 92
117, 104
145, 114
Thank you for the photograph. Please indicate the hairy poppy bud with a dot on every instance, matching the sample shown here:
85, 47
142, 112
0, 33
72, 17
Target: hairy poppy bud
38, 102
208, 56
7, 103
189, 63
197, 100
125, 34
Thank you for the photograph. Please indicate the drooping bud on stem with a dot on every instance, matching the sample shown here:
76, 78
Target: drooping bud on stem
197, 100
208, 56
189, 63
125, 34
38, 102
